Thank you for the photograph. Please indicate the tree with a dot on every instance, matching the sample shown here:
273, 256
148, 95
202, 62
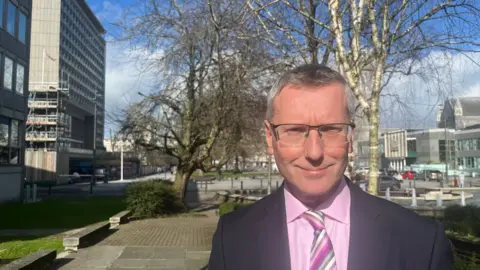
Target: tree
208, 65
370, 39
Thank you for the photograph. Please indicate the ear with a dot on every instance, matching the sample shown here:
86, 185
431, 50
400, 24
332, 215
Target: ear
269, 137
350, 142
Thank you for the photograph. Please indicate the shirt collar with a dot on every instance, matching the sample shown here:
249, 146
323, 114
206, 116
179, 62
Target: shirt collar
337, 207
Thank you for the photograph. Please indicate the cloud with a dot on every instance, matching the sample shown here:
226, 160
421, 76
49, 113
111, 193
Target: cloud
411, 101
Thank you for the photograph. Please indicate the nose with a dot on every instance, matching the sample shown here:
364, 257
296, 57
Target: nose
314, 151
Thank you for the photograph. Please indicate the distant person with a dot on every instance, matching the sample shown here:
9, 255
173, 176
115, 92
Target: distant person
319, 219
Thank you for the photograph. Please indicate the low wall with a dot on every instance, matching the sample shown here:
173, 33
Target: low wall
10, 183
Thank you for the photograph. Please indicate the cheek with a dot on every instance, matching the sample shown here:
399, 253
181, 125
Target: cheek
336, 152
288, 153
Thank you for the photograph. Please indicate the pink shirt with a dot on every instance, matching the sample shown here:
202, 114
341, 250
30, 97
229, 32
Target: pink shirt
337, 224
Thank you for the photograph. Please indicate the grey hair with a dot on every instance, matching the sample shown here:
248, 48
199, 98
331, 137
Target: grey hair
310, 75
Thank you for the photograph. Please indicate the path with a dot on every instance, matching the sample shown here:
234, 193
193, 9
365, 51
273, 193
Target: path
165, 243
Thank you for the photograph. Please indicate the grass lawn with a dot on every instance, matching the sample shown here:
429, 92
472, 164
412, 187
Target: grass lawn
64, 214
12, 248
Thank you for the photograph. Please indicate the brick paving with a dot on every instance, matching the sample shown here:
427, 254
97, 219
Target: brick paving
165, 243
188, 232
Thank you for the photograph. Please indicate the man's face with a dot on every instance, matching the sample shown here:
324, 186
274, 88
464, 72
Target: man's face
314, 168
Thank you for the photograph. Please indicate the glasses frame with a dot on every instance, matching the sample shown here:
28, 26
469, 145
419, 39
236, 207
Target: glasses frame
275, 126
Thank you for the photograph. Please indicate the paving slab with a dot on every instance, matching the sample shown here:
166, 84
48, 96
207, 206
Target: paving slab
182, 242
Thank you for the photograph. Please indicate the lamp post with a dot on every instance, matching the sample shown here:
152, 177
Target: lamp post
94, 159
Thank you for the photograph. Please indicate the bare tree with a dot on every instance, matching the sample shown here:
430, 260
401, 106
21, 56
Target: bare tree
208, 65
376, 39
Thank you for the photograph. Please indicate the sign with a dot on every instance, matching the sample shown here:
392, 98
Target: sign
396, 144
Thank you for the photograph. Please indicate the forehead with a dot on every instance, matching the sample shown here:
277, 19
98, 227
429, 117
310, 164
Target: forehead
311, 104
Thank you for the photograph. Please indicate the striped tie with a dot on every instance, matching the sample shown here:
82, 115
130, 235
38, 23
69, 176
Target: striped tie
321, 255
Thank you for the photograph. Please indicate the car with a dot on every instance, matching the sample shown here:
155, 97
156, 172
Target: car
429, 175
384, 182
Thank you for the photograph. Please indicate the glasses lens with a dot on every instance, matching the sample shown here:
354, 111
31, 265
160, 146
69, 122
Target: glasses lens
292, 134
334, 135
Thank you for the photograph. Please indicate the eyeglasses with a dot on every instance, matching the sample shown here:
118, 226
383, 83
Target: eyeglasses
332, 135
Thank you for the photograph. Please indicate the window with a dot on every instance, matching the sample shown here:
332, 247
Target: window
15, 139
2, 2
20, 79
22, 27
8, 73
3, 133
12, 11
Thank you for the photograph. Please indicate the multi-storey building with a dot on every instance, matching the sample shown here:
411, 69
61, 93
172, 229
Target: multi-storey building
67, 87
14, 59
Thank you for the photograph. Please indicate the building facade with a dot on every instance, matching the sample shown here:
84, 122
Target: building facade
14, 60
468, 149
67, 87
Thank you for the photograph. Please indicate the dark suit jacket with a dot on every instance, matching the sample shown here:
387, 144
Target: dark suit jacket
383, 236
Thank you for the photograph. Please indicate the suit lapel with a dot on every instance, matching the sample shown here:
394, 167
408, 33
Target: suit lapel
369, 235
273, 237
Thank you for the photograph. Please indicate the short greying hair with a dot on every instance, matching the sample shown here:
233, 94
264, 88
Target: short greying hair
310, 75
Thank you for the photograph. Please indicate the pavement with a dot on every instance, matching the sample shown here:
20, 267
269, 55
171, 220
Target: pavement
174, 243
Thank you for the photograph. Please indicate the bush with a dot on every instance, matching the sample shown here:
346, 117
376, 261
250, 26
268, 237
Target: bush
153, 198
462, 219
228, 207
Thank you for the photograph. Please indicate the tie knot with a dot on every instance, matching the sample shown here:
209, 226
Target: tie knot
315, 218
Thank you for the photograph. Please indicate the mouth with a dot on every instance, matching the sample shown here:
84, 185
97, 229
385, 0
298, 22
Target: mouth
314, 171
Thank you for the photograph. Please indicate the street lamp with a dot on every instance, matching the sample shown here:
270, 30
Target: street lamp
94, 160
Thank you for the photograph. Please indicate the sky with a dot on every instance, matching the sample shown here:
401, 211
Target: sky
450, 75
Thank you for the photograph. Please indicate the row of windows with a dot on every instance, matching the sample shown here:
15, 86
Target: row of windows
469, 162
9, 141
13, 75
16, 20
468, 144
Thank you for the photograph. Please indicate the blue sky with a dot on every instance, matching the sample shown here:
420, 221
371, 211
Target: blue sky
124, 79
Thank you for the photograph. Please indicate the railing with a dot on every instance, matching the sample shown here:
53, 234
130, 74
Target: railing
42, 103
41, 135
53, 119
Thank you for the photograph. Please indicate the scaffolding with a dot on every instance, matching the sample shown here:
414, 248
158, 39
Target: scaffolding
47, 121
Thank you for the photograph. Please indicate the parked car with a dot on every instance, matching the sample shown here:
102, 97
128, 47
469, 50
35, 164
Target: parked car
384, 182
409, 175
429, 175
389, 182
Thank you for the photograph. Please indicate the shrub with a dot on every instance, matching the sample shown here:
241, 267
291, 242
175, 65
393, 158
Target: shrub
153, 198
228, 207
462, 219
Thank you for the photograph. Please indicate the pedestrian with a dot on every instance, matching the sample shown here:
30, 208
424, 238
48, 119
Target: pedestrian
318, 219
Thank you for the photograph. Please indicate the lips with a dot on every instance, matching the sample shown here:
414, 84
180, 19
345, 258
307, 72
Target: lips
314, 171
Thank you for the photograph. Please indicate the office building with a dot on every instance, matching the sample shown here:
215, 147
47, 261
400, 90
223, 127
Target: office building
14, 60
67, 88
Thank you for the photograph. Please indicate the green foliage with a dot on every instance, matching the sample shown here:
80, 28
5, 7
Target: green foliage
153, 198
464, 264
462, 219
228, 207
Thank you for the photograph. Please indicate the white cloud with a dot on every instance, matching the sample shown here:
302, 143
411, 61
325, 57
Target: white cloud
411, 101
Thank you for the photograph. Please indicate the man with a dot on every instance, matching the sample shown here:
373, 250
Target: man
318, 219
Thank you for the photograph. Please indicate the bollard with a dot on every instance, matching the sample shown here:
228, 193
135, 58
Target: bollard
410, 184
387, 194
206, 186
34, 193
414, 198
462, 194
439, 200
231, 182
241, 185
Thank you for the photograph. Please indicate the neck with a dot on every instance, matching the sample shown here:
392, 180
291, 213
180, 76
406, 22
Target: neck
311, 201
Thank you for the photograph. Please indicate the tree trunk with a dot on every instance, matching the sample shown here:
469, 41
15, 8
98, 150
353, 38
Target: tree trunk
182, 177
373, 120
237, 168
